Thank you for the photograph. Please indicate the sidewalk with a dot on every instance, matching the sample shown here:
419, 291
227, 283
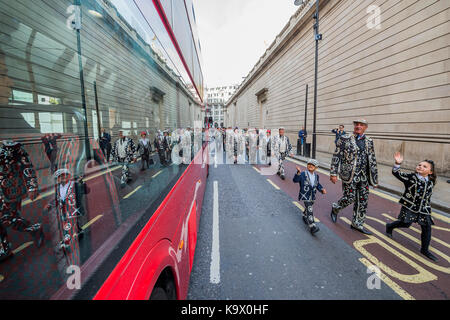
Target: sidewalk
440, 200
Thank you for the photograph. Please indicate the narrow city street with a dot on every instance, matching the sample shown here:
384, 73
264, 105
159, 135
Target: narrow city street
263, 250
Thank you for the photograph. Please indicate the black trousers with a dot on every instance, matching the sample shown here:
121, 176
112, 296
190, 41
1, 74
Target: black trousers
145, 158
425, 235
106, 151
10, 216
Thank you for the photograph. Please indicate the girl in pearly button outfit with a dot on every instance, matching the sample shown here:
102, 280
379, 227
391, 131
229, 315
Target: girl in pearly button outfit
415, 200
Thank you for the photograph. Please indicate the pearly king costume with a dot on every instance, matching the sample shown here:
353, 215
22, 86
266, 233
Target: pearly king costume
309, 184
354, 160
283, 147
123, 153
17, 179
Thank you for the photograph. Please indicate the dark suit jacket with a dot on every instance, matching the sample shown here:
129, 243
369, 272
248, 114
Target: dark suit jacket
307, 190
417, 195
344, 159
105, 140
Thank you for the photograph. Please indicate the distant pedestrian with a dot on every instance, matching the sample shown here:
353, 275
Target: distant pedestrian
105, 144
123, 153
283, 149
339, 132
415, 200
51, 149
266, 148
144, 149
309, 183
302, 134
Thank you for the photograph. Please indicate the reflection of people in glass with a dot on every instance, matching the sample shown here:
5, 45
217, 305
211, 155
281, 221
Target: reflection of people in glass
68, 210
144, 149
123, 153
159, 146
17, 179
51, 148
167, 147
105, 144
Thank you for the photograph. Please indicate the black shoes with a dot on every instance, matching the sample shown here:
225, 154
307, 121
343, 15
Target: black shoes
333, 215
362, 230
7, 253
305, 219
38, 237
282, 177
388, 230
429, 255
314, 229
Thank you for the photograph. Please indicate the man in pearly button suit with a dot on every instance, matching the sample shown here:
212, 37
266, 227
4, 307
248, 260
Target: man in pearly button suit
355, 163
17, 180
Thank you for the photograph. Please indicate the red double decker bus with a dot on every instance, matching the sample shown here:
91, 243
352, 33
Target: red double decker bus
73, 74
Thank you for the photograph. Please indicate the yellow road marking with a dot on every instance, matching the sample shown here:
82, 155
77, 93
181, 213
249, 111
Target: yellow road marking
273, 184
422, 276
259, 171
102, 173
303, 209
87, 225
298, 205
440, 217
418, 231
413, 239
22, 247
41, 196
384, 195
132, 192
404, 249
394, 286
157, 173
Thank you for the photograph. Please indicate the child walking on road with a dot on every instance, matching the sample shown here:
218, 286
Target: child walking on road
415, 200
309, 183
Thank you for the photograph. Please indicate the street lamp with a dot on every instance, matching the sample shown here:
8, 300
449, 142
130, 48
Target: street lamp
317, 38
76, 24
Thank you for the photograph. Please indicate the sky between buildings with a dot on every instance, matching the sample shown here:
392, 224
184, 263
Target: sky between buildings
234, 34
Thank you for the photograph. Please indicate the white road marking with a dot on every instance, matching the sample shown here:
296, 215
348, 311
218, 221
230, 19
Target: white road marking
215, 252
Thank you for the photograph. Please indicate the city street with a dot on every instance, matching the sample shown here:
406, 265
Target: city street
265, 251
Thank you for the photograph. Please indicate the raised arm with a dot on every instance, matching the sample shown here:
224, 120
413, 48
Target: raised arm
336, 160
396, 172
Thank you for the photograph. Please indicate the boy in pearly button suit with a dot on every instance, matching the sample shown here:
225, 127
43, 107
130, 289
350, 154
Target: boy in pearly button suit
309, 184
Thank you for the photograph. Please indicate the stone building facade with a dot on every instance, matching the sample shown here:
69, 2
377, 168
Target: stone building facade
395, 74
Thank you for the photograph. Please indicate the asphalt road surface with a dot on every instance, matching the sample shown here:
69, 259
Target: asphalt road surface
253, 244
